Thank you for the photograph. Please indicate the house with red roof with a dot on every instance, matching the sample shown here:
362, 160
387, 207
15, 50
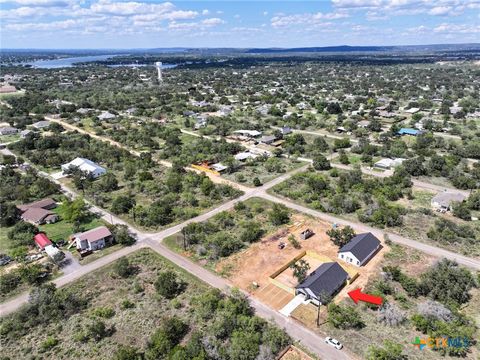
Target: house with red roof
42, 241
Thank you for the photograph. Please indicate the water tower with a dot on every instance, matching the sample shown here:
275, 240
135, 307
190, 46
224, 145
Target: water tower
158, 65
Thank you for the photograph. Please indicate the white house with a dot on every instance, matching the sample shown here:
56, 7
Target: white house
84, 165
360, 249
94, 239
388, 163
443, 201
105, 115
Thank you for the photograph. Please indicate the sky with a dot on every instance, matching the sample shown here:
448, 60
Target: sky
118, 24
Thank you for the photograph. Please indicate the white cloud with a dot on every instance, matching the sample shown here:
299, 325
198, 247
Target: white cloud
410, 7
457, 28
201, 25
307, 19
213, 21
55, 25
205, 12
129, 8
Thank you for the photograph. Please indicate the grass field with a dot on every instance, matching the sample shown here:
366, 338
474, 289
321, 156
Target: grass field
62, 230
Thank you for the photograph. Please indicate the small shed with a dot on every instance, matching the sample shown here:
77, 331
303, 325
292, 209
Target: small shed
42, 241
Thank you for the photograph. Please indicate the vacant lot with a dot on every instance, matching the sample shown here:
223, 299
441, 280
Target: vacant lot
131, 310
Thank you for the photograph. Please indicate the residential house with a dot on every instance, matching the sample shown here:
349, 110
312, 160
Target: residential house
388, 163
248, 133
39, 216
360, 249
94, 239
84, 165
413, 110
444, 201
25, 133
267, 139
8, 130
325, 281
105, 115
285, 130
409, 131
42, 241
242, 156
39, 125
38, 212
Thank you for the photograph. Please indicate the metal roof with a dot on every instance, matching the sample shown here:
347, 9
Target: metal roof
361, 246
327, 278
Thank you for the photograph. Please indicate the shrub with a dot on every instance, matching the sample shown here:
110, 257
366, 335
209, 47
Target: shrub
344, 317
390, 315
103, 312
49, 343
167, 284
123, 268
389, 351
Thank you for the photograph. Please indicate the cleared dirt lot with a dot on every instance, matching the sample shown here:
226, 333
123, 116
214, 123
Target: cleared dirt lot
260, 260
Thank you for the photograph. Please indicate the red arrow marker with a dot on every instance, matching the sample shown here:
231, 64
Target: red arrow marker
357, 296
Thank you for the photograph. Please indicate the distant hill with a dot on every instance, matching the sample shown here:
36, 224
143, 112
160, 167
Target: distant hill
347, 48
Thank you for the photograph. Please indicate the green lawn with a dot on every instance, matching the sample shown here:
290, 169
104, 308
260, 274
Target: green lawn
4, 139
62, 229
5, 244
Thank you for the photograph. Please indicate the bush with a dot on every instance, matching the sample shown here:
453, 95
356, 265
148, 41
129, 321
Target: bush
104, 312
344, 317
49, 343
167, 284
390, 315
127, 353
123, 268
127, 304
389, 351
279, 214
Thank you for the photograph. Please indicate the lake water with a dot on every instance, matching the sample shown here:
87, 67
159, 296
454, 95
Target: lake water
69, 62
66, 62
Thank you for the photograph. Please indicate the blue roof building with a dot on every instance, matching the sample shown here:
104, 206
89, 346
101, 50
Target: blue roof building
409, 131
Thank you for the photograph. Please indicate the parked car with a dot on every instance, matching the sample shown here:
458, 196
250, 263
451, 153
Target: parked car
34, 257
282, 245
5, 259
333, 342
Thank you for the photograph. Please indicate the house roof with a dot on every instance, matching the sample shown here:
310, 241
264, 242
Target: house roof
408, 131
327, 278
44, 203
446, 198
361, 246
41, 124
36, 215
42, 240
268, 138
252, 133
95, 234
83, 164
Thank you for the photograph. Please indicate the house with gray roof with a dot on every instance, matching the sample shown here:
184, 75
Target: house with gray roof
325, 281
94, 239
360, 249
444, 201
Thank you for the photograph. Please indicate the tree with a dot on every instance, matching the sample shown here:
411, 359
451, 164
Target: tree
344, 317
343, 158
9, 214
122, 235
474, 200
75, 211
461, 210
390, 315
122, 204
341, 237
167, 284
320, 162
256, 181
294, 242
279, 214
108, 182
447, 282
389, 351
22, 233
127, 353
300, 269
123, 268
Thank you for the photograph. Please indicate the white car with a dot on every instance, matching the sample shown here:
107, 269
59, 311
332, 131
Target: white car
333, 342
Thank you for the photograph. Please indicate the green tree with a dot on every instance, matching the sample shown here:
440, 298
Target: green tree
344, 317
279, 214
122, 235
320, 162
168, 285
389, 351
300, 269
341, 237
123, 268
